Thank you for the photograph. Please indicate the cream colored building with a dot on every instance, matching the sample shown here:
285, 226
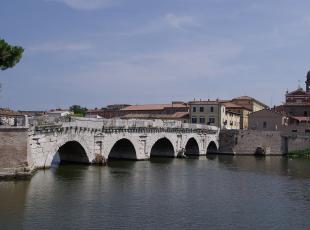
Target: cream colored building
213, 113
247, 105
242, 111
250, 103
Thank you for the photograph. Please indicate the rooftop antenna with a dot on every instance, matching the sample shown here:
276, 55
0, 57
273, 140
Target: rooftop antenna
299, 84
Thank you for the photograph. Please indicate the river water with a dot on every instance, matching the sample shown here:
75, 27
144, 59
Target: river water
216, 192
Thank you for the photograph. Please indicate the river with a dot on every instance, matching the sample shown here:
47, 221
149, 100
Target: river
214, 192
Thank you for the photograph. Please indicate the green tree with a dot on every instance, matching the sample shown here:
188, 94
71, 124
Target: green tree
9, 55
78, 110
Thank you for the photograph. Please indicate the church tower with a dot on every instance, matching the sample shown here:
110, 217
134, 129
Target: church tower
308, 83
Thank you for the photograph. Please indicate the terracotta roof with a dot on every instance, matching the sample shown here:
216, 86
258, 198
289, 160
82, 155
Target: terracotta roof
231, 105
301, 119
296, 104
249, 98
176, 115
8, 112
153, 107
282, 113
279, 108
204, 102
244, 98
299, 91
58, 111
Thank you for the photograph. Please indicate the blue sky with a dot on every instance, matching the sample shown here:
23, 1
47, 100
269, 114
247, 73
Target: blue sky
99, 52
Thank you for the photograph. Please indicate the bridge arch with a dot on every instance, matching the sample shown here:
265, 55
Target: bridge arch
123, 149
212, 148
192, 147
163, 147
72, 152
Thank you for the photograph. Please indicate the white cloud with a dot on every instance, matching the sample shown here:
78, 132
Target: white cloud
178, 22
86, 4
158, 76
60, 46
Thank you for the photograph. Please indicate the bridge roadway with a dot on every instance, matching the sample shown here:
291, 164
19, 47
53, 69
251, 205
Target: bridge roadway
98, 140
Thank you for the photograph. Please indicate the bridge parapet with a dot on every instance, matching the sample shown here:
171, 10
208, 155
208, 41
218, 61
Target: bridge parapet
133, 123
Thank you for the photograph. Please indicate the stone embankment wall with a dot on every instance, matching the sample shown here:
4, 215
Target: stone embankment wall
13, 147
246, 142
298, 143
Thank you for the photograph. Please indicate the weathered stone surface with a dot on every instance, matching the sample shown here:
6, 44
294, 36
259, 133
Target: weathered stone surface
100, 142
246, 142
13, 147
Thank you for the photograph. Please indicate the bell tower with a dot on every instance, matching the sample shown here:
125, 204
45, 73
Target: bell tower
308, 83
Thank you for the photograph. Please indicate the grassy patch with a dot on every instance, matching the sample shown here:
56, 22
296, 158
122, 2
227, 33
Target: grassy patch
300, 153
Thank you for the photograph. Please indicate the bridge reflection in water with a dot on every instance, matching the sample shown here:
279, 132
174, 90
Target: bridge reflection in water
150, 195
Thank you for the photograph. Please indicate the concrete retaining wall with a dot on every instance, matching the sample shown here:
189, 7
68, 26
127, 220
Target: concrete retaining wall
246, 142
298, 143
13, 147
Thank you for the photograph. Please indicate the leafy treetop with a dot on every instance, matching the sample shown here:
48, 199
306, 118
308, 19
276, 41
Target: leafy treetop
78, 110
9, 55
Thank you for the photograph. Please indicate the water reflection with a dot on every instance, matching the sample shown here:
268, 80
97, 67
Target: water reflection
276, 165
213, 192
13, 197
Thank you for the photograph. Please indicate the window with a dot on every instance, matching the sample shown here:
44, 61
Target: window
201, 109
212, 109
194, 109
211, 120
265, 125
194, 120
202, 120
305, 113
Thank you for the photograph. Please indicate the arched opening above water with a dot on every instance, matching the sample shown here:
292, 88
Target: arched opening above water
71, 152
212, 148
162, 148
123, 149
192, 147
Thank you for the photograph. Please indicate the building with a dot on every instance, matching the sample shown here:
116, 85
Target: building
59, 113
178, 116
250, 103
213, 113
32, 113
242, 111
173, 111
172, 108
111, 111
268, 120
273, 120
297, 102
244, 106
11, 118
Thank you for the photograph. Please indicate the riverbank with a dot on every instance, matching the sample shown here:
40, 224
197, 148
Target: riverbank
300, 153
21, 173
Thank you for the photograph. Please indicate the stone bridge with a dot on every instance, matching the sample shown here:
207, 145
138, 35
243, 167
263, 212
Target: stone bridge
99, 140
